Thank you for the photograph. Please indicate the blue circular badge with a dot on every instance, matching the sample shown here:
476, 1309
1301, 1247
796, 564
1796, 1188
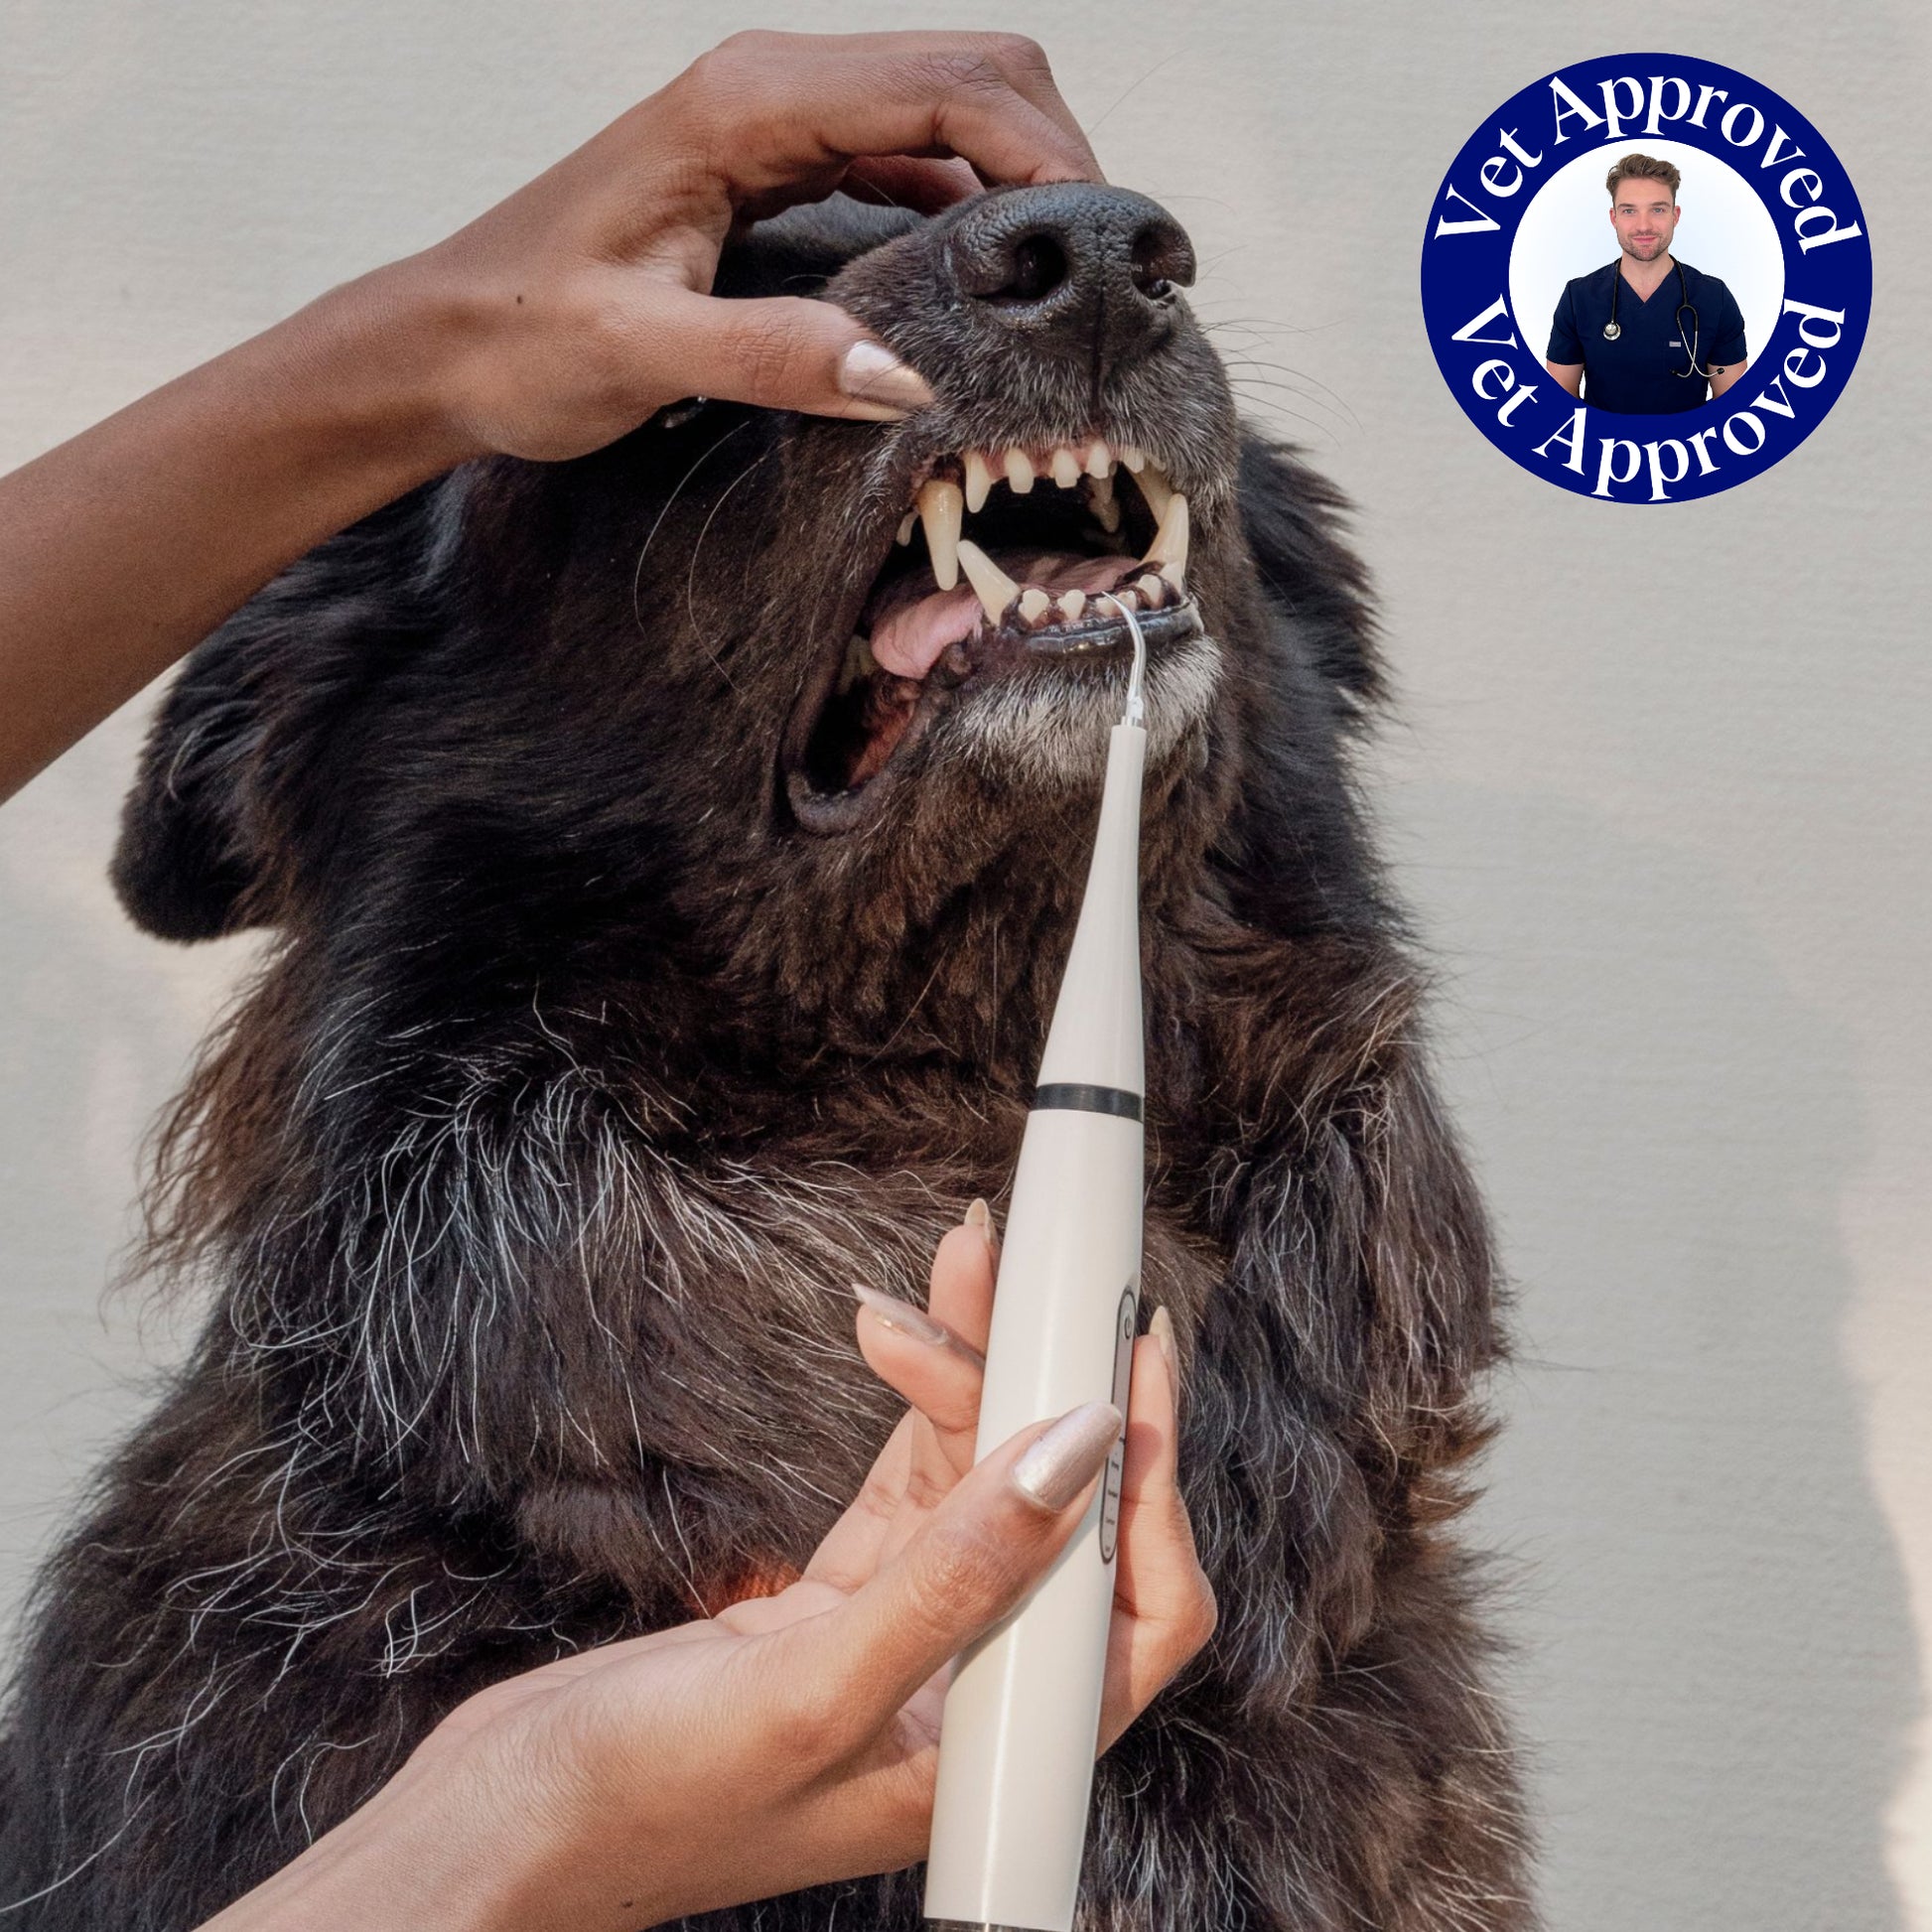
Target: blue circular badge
1700, 320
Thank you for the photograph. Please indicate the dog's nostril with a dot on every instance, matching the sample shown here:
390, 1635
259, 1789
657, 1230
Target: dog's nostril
1074, 269
1160, 258
1039, 268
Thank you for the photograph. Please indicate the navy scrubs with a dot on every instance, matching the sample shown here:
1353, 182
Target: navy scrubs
1632, 375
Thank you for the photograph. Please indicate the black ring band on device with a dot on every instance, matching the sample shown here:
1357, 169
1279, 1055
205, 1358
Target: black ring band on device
1089, 1100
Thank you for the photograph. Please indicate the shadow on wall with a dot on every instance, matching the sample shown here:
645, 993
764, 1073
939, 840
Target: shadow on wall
1717, 1675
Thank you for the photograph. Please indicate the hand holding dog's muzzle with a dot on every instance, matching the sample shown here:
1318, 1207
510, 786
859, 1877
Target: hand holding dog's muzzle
552, 324
582, 302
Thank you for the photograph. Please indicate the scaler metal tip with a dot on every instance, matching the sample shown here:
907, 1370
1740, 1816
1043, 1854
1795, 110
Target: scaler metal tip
1136, 712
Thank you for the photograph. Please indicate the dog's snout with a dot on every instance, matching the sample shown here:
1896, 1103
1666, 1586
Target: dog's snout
1077, 268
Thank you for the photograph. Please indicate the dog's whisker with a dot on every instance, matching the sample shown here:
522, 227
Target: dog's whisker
657, 522
697, 551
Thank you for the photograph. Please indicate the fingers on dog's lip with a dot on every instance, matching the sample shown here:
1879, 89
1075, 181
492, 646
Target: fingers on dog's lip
902, 180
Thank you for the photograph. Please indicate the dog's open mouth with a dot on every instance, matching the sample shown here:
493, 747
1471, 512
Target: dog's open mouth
1005, 566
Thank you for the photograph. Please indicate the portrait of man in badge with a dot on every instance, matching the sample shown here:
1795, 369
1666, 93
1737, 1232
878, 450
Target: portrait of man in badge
1649, 335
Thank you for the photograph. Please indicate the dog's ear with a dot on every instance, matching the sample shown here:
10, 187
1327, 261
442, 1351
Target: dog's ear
1293, 520
234, 780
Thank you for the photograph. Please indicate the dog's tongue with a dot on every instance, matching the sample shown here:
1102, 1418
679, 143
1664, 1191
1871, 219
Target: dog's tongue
912, 623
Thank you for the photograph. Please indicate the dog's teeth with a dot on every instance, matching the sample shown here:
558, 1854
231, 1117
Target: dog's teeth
1132, 457
1150, 588
979, 479
859, 664
1100, 500
1155, 488
1073, 605
991, 585
1019, 471
1034, 604
906, 523
1066, 467
942, 509
1168, 550
1100, 462
1128, 596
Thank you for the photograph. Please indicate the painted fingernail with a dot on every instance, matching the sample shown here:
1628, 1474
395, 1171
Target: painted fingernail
914, 1322
873, 373
901, 1316
1161, 1329
980, 1217
1060, 1463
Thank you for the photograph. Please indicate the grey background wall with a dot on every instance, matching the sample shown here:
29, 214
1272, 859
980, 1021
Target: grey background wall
1657, 790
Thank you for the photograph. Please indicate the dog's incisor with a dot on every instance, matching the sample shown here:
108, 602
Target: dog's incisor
650, 961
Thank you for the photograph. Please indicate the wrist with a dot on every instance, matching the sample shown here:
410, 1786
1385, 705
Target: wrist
399, 1865
384, 351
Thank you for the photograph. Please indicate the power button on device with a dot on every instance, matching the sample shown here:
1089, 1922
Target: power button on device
1123, 1375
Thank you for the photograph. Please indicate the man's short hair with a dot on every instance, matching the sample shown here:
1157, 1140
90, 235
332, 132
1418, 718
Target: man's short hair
1644, 167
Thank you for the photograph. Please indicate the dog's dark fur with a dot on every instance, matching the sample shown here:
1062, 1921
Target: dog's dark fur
584, 1079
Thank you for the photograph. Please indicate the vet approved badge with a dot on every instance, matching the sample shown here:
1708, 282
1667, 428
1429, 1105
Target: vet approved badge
1527, 265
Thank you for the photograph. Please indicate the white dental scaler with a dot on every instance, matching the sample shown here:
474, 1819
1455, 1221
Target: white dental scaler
1022, 1722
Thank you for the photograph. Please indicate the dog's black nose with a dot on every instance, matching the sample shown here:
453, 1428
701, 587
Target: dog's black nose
1079, 270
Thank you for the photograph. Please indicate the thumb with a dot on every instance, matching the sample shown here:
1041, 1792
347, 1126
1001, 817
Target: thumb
780, 352
977, 1556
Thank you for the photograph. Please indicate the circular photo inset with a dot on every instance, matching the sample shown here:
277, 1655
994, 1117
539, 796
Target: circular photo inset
1646, 278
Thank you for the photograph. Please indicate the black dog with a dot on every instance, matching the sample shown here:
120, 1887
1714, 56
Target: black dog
670, 881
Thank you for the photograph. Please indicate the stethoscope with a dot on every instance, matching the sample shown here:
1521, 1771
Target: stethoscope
1613, 329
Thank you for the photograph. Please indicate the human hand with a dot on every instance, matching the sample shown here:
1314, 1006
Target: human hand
791, 1739
572, 311
549, 327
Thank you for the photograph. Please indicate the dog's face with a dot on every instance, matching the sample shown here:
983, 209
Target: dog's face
704, 705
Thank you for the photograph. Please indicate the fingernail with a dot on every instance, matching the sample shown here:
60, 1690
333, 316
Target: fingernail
914, 1322
901, 1316
873, 373
1060, 1463
980, 1217
1161, 1329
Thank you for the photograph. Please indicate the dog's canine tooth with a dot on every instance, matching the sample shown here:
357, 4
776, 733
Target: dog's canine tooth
991, 585
1168, 550
1066, 467
942, 508
1071, 605
906, 523
1034, 604
1019, 471
979, 479
1132, 457
1155, 488
1100, 459
1152, 589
